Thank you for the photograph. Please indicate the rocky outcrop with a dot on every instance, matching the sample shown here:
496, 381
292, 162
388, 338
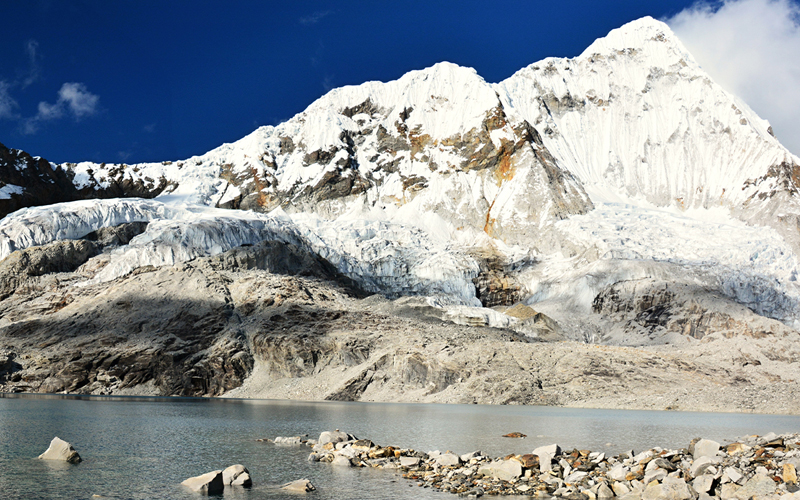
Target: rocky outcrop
27, 181
651, 308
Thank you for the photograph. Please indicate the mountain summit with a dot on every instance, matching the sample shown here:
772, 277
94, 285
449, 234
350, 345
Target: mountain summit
619, 197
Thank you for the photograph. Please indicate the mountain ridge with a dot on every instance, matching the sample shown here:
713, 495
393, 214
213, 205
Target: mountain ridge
620, 197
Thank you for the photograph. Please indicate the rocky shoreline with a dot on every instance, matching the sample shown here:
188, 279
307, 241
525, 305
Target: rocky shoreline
755, 467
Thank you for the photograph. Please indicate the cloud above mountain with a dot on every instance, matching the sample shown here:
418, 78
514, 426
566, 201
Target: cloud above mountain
73, 99
751, 48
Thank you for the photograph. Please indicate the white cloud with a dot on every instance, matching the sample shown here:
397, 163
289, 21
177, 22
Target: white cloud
7, 103
314, 18
50, 111
78, 99
73, 98
34, 70
751, 48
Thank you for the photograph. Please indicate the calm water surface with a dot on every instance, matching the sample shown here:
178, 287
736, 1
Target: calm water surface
144, 447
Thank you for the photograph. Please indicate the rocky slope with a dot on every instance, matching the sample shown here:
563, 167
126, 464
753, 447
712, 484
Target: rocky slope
272, 320
604, 230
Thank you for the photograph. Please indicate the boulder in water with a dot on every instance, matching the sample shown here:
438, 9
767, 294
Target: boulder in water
209, 483
237, 475
61, 450
301, 486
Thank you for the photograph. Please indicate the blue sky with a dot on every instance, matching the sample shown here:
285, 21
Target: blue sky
159, 80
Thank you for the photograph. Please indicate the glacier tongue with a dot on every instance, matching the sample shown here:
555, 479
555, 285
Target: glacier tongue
383, 257
41, 225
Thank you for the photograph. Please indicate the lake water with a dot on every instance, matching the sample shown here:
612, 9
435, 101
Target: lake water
141, 448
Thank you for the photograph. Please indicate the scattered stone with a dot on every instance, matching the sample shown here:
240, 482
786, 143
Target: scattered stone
728, 491
505, 470
209, 483
409, 461
701, 466
734, 475
604, 492
655, 474
735, 448
363, 445
61, 450
300, 486
703, 484
515, 435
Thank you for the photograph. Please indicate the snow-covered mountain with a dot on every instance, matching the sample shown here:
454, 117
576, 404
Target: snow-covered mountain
625, 163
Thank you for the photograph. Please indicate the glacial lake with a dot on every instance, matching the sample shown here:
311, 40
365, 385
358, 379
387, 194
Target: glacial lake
142, 448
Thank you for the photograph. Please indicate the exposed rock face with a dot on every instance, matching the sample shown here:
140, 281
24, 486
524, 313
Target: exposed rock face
27, 181
651, 308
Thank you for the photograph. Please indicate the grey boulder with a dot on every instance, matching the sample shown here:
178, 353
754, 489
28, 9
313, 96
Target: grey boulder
209, 483
237, 475
300, 486
61, 450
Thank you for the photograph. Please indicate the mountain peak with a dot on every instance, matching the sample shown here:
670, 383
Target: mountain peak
645, 33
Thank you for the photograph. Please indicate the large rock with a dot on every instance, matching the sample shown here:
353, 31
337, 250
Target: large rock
546, 454
300, 486
237, 475
758, 486
209, 483
705, 448
336, 436
61, 450
448, 460
672, 488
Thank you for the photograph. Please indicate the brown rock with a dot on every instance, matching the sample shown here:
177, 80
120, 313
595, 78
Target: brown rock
515, 435
527, 460
734, 448
789, 473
